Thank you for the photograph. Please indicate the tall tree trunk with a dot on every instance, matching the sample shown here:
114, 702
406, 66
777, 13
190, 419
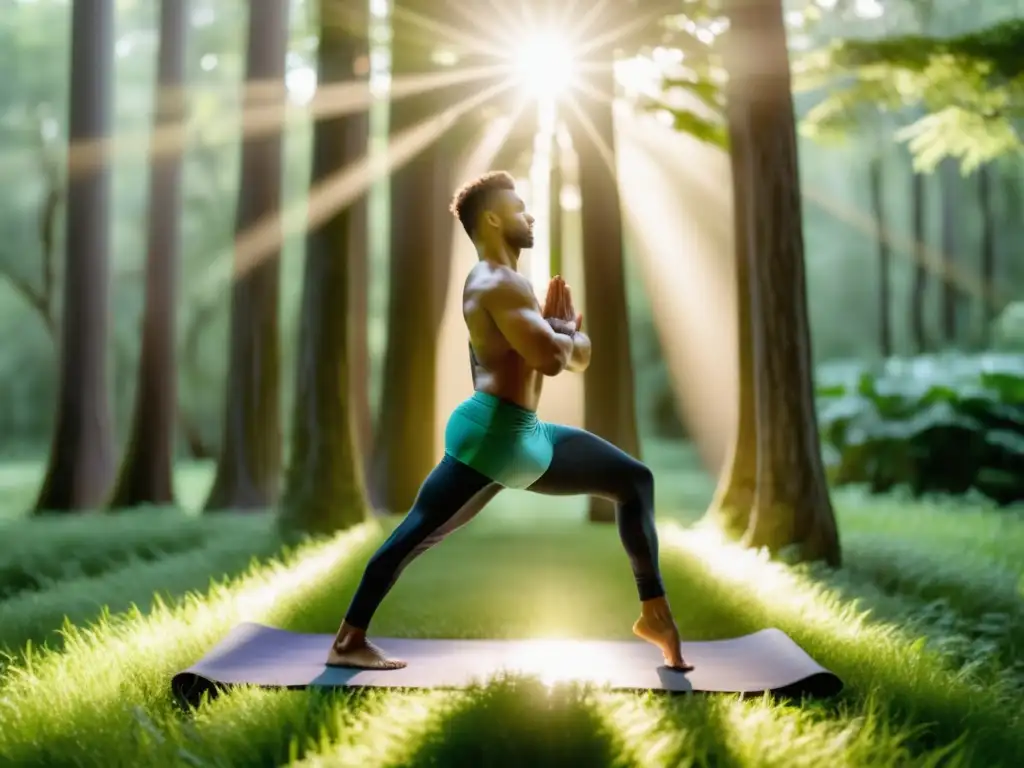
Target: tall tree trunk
919, 288
610, 406
249, 462
357, 136
949, 183
555, 205
792, 507
734, 497
324, 490
403, 452
81, 464
988, 251
147, 470
876, 189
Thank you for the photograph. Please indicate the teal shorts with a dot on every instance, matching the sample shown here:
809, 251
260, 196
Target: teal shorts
500, 440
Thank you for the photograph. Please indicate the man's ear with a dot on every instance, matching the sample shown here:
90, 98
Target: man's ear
492, 218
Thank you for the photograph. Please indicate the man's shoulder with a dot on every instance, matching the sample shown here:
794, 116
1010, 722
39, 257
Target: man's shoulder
487, 283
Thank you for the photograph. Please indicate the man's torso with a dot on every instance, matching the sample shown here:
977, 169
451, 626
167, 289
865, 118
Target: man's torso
497, 368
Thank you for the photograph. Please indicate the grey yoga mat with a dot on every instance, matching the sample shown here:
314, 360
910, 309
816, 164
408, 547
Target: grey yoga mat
765, 661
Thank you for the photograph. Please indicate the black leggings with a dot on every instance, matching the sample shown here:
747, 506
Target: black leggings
454, 493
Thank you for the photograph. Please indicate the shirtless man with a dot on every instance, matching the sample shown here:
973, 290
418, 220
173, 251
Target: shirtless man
494, 439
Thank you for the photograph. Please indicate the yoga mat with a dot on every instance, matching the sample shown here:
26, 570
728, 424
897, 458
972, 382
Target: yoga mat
765, 661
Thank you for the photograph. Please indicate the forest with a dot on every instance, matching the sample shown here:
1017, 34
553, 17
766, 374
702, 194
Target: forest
231, 289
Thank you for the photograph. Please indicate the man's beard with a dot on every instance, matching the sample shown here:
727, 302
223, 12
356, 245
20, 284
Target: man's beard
523, 239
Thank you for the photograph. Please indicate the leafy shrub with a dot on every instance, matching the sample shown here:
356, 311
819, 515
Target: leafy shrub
943, 424
1008, 329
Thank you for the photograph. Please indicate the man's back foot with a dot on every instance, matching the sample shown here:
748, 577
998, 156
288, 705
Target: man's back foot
361, 655
664, 635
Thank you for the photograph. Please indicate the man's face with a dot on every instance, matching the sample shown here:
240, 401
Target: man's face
516, 225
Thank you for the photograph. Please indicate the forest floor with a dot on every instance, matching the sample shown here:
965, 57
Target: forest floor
925, 625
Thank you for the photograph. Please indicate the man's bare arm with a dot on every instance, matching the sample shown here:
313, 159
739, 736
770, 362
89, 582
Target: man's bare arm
515, 312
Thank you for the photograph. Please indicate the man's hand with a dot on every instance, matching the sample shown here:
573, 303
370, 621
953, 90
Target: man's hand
558, 308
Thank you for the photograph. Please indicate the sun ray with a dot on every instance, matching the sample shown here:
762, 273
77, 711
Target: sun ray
262, 120
582, 27
587, 125
481, 25
455, 35
337, 191
614, 35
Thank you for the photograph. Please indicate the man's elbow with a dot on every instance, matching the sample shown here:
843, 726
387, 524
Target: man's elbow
554, 359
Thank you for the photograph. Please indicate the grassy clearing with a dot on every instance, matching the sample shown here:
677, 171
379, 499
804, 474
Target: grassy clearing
103, 700
230, 547
50, 551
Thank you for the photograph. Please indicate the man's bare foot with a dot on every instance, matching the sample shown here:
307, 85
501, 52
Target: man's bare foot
658, 628
352, 649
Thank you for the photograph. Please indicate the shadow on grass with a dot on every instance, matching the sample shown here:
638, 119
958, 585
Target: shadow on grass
519, 721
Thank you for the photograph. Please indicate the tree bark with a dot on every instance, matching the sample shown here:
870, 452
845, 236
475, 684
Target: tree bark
610, 406
988, 251
734, 497
324, 487
146, 475
404, 442
792, 508
357, 137
249, 462
555, 206
875, 181
949, 181
919, 287
81, 463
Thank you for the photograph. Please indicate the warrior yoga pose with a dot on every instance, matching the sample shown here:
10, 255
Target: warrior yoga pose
494, 439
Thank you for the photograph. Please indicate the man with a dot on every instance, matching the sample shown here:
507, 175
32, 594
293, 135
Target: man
494, 439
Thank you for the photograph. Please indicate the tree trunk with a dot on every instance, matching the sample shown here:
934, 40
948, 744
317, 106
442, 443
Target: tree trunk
555, 206
920, 285
734, 496
988, 251
876, 178
81, 464
248, 465
610, 407
357, 134
792, 508
949, 181
147, 470
324, 490
404, 442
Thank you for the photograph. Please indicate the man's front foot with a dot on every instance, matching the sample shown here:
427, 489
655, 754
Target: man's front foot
351, 649
657, 626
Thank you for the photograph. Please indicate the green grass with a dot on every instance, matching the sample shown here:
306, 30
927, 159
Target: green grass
924, 624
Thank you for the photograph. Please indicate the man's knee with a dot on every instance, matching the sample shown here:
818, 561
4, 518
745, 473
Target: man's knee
635, 483
643, 480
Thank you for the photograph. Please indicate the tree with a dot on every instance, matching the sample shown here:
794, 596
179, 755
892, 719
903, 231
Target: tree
791, 506
403, 451
610, 405
81, 463
324, 489
971, 87
772, 492
146, 475
249, 460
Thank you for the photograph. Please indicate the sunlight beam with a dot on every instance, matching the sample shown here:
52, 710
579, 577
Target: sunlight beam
267, 235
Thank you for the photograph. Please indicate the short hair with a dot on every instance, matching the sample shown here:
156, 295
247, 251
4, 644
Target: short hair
472, 197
